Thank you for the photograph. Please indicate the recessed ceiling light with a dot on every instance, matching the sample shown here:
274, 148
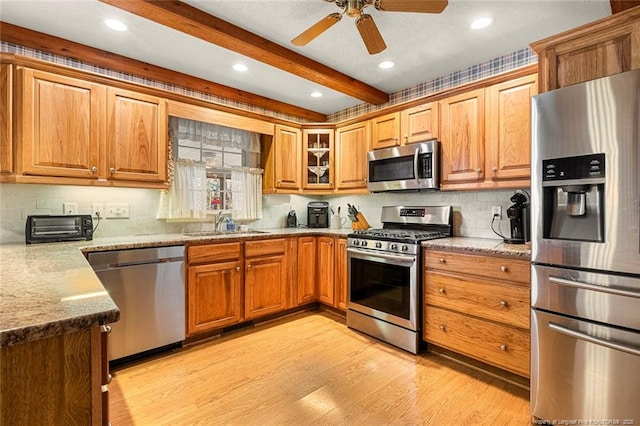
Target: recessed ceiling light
240, 67
115, 25
385, 65
315, 94
481, 23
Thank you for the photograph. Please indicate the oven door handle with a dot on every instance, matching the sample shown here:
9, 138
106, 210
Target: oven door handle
394, 258
594, 287
583, 336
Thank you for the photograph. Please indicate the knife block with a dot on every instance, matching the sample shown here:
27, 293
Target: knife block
360, 222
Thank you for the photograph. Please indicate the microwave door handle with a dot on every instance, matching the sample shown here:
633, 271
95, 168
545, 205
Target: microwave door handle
415, 165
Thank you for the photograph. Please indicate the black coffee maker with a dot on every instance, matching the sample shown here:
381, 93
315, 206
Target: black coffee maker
318, 214
519, 218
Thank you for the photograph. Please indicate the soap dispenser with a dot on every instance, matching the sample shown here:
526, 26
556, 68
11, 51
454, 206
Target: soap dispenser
231, 225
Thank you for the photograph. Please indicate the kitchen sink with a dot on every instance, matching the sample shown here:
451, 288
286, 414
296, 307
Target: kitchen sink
215, 233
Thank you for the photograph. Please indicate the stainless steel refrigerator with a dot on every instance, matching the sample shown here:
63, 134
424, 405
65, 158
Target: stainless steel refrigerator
585, 289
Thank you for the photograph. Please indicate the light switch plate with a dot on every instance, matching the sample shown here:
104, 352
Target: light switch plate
116, 210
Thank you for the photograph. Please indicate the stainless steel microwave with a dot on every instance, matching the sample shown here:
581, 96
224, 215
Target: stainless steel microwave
47, 229
409, 167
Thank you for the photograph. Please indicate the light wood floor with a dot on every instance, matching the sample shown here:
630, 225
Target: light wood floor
309, 369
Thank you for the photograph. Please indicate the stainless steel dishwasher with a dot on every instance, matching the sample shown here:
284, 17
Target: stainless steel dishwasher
148, 287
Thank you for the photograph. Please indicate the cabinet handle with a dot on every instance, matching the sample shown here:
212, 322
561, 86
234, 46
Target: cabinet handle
503, 347
94, 169
237, 268
442, 260
112, 169
494, 169
503, 304
478, 171
442, 328
504, 268
442, 291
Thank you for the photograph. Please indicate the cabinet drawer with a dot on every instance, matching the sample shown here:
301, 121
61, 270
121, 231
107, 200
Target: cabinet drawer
501, 268
213, 253
495, 344
264, 247
496, 301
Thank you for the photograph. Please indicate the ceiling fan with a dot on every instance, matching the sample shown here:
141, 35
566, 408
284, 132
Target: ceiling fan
364, 22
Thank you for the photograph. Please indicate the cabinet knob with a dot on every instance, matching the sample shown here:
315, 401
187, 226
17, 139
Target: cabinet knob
442, 260
279, 182
249, 266
106, 329
494, 169
406, 138
109, 378
94, 169
503, 347
364, 180
503, 303
112, 169
237, 268
478, 170
442, 291
504, 268
442, 328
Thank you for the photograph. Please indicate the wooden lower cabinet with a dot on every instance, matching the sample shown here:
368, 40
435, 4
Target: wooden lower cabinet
265, 279
326, 270
341, 278
55, 381
306, 288
478, 305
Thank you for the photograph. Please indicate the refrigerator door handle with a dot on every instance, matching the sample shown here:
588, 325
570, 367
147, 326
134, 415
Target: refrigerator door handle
594, 287
583, 336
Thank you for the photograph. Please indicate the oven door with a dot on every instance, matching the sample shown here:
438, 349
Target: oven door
384, 286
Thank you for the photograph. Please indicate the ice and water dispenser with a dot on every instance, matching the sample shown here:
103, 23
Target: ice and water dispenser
573, 198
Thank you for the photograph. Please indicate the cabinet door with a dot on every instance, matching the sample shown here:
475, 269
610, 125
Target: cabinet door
420, 123
351, 156
326, 270
136, 137
287, 142
61, 125
317, 159
6, 118
508, 127
265, 285
385, 131
341, 274
462, 137
214, 296
306, 289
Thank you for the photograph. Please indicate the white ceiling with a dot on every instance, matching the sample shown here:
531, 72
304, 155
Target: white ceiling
423, 46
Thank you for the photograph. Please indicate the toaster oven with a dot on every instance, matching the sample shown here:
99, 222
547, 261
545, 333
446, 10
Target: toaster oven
47, 228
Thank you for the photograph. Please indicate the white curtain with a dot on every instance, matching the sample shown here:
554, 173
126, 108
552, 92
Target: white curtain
187, 197
214, 135
247, 193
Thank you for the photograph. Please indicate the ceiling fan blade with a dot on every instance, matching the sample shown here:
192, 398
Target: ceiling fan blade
370, 34
316, 29
418, 6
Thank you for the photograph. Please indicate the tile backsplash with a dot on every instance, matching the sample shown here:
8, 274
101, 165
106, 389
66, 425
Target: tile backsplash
472, 210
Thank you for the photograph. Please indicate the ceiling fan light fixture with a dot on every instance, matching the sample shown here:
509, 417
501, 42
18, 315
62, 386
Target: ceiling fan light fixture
240, 67
115, 25
385, 65
354, 8
481, 23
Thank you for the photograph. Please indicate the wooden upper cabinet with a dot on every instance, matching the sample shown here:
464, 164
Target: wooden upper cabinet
508, 128
352, 145
287, 157
317, 159
608, 46
61, 125
6, 118
385, 131
420, 123
462, 137
136, 136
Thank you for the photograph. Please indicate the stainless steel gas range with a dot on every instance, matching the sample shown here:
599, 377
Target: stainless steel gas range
384, 273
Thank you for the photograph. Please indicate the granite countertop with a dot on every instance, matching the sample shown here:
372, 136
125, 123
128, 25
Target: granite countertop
480, 246
50, 289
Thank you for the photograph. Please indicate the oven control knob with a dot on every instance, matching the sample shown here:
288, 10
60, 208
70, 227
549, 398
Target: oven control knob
394, 247
364, 244
356, 242
405, 248
378, 245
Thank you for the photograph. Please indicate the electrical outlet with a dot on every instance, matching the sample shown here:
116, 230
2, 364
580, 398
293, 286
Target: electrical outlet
97, 209
70, 208
116, 211
496, 211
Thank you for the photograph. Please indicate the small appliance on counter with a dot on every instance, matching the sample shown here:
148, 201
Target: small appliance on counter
48, 229
318, 214
292, 220
519, 219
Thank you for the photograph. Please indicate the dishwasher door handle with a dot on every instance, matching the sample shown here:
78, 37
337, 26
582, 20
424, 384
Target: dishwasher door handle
137, 263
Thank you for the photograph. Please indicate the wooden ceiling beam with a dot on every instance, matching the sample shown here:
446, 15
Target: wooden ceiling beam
189, 20
50, 44
618, 6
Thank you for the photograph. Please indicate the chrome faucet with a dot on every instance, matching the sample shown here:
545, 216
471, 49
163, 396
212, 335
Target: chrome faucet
219, 220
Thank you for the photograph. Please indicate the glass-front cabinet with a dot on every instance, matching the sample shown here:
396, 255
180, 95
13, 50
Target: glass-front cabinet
318, 158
